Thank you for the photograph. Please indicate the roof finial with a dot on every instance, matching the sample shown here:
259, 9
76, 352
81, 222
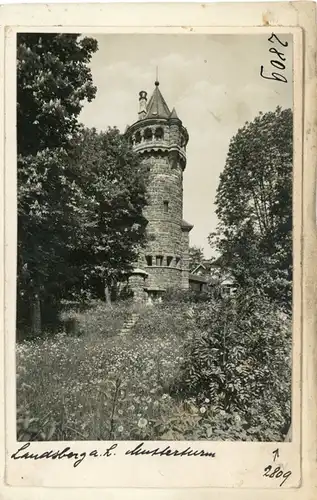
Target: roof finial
156, 81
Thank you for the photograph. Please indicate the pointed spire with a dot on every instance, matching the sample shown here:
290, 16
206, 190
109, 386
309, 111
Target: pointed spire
157, 107
173, 113
157, 80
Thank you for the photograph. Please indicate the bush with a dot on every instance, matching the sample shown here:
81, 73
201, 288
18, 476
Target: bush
176, 297
240, 361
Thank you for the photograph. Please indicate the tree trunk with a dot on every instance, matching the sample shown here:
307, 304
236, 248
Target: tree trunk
107, 294
114, 290
36, 315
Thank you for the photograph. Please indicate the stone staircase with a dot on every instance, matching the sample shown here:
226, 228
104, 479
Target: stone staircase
129, 324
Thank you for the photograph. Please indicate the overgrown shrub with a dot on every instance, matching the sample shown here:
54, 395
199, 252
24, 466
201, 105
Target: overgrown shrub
174, 296
165, 320
240, 361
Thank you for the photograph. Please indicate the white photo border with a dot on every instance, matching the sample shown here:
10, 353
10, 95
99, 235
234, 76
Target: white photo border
227, 470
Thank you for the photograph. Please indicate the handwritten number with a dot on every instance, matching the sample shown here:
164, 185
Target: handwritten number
286, 476
267, 470
276, 474
273, 50
275, 76
276, 63
273, 36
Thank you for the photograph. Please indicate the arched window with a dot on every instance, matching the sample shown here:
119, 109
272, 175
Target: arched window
169, 260
148, 134
159, 133
138, 137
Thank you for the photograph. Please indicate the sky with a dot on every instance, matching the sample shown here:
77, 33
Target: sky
214, 83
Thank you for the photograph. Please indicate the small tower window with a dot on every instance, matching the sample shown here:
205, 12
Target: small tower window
169, 260
159, 133
165, 204
148, 259
177, 261
138, 137
148, 134
159, 260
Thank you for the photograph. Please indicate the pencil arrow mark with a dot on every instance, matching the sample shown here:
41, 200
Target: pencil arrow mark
276, 454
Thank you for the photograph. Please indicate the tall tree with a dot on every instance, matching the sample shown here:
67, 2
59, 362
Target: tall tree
112, 182
254, 205
53, 81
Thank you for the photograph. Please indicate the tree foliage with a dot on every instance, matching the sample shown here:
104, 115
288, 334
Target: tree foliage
196, 257
112, 182
53, 81
80, 193
241, 362
254, 205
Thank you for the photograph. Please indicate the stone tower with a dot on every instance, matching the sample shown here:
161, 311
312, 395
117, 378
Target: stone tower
160, 138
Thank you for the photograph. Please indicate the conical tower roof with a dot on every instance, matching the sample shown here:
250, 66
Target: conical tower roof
157, 107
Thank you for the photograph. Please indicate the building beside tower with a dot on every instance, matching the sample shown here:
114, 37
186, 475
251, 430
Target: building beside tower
161, 139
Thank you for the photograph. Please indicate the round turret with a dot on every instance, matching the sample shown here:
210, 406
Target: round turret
160, 138
160, 134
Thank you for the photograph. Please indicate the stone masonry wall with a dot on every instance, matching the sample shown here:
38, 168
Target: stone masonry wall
163, 277
185, 260
164, 227
165, 257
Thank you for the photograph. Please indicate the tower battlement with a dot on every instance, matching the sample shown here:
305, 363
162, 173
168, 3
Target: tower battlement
161, 139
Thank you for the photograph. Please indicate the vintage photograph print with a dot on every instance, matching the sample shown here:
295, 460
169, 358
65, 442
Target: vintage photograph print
154, 270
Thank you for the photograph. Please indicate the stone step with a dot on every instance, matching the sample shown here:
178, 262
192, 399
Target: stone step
129, 324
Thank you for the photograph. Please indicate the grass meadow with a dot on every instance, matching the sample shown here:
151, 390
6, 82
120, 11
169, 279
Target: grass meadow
162, 380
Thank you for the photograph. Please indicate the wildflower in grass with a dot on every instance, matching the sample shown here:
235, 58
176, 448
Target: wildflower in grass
142, 423
207, 400
72, 377
202, 409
